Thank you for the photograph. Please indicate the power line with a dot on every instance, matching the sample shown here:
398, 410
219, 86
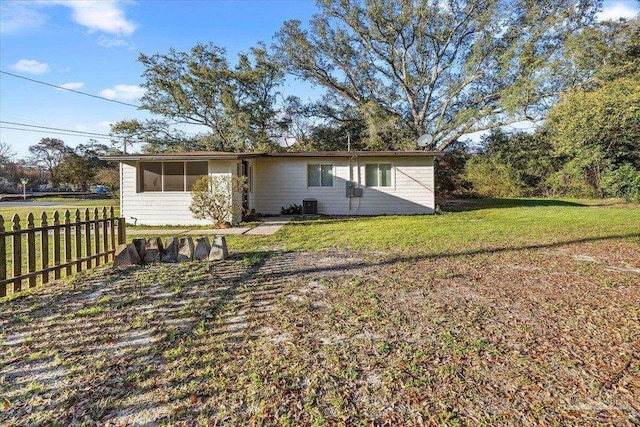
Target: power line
67, 132
52, 133
60, 129
67, 89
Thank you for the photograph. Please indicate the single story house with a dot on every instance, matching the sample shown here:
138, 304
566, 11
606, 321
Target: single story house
155, 188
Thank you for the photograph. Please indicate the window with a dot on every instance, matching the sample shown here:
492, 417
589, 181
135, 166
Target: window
378, 175
320, 175
171, 176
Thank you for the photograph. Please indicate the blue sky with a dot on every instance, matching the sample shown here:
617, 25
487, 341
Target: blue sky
92, 46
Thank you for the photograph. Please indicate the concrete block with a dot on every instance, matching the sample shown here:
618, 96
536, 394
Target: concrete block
126, 256
186, 249
203, 247
170, 252
153, 251
141, 245
219, 250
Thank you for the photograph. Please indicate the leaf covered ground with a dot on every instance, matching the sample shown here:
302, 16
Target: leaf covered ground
541, 335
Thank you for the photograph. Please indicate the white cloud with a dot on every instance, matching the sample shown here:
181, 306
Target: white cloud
72, 85
615, 11
106, 124
123, 92
31, 66
19, 16
107, 42
105, 16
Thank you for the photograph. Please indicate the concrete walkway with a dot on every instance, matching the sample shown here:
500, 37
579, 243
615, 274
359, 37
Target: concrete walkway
268, 227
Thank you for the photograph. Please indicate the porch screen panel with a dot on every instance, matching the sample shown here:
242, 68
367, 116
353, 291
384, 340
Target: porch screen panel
174, 176
150, 176
195, 171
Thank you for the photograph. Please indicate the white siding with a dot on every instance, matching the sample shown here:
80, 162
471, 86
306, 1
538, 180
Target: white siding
281, 182
161, 208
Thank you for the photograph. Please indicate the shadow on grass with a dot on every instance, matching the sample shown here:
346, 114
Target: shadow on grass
459, 205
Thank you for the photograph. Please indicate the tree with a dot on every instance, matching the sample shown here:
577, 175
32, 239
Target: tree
217, 198
7, 155
81, 165
234, 104
597, 130
48, 154
443, 67
594, 128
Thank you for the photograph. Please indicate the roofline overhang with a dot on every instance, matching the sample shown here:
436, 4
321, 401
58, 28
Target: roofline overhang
207, 155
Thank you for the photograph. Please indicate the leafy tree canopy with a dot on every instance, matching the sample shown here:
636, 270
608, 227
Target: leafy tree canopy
234, 104
444, 67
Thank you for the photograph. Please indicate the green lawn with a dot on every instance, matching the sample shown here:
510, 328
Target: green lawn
496, 313
30, 206
477, 225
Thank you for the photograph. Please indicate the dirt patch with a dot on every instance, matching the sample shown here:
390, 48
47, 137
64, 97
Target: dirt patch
523, 337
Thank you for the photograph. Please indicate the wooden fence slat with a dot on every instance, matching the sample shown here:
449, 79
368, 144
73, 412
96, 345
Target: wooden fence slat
105, 237
78, 231
67, 241
56, 245
87, 238
31, 249
17, 254
96, 234
44, 248
3, 259
112, 228
122, 233
97, 252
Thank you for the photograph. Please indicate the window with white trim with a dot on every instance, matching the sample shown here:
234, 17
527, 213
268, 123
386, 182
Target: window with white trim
170, 176
319, 175
377, 174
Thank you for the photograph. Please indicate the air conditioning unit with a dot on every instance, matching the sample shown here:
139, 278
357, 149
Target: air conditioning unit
309, 207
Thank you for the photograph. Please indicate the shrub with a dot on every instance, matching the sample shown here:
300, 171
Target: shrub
291, 210
217, 198
622, 182
491, 178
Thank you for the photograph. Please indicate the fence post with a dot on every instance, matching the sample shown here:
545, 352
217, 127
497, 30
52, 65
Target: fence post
67, 241
44, 247
105, 241
78, 230
56, 245
87, 237
122, 233
96, 235
17, 254
3, 260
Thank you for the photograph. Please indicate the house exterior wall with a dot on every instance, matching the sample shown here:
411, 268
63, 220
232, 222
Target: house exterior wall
161, 208
282, 181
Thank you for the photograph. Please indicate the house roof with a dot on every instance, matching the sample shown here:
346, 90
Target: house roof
221, 155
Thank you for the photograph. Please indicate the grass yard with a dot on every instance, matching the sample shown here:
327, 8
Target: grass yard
501, 313
55, 204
